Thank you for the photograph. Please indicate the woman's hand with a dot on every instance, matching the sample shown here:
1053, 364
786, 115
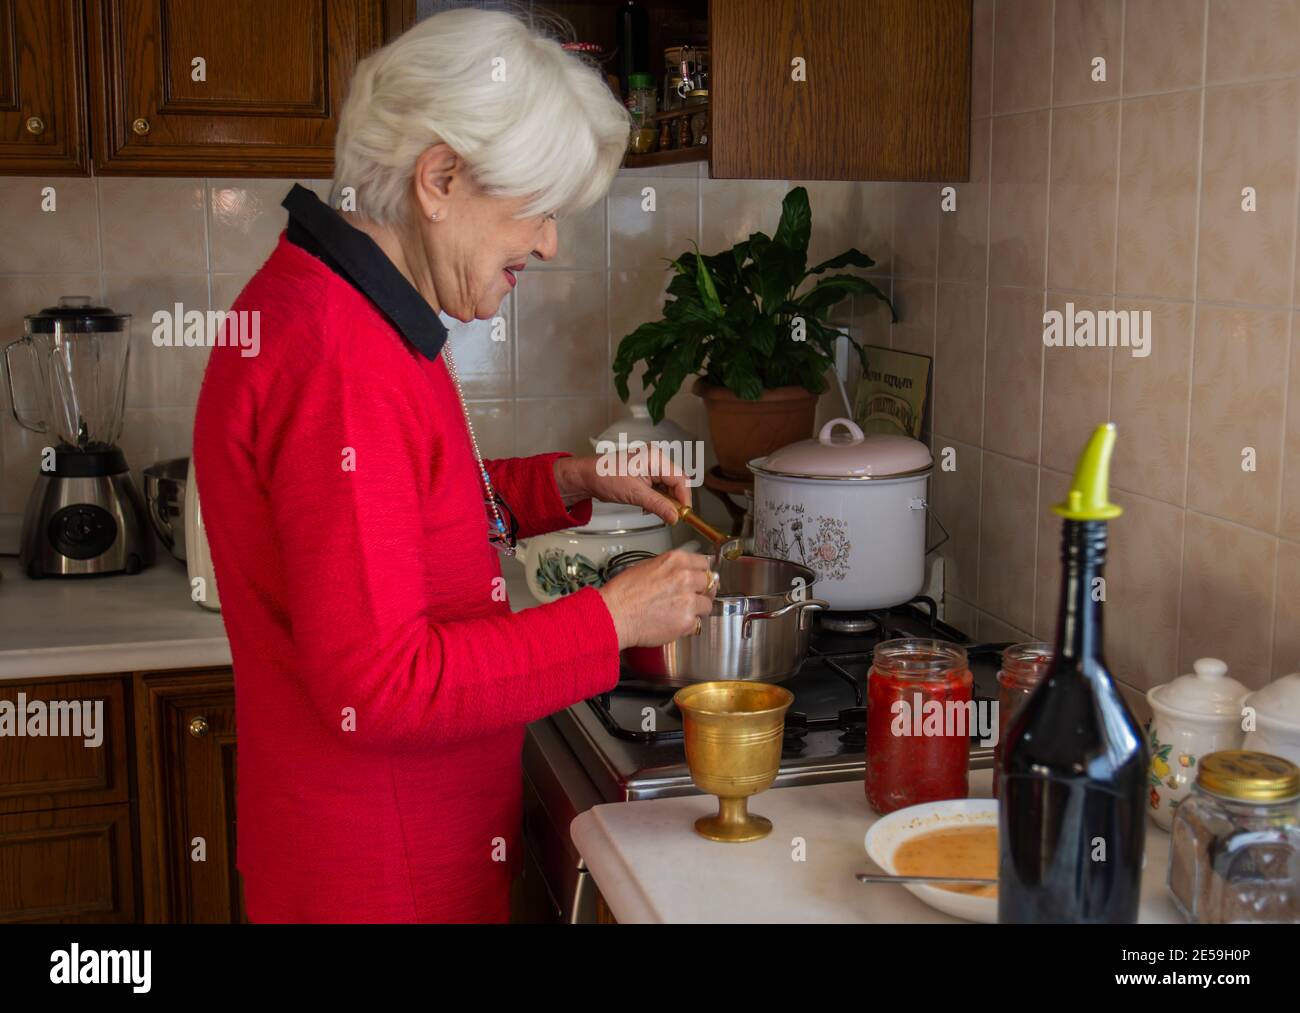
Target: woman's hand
660, 599
644, 478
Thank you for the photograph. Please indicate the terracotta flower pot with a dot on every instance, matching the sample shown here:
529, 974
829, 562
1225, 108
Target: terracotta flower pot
742, 430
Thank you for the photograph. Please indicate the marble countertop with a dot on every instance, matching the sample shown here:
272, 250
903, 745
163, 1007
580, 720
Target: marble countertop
142, 623
651, 866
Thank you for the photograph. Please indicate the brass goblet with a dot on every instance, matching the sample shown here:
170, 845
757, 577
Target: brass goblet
733, 733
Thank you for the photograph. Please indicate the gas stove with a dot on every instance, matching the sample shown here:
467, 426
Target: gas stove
626, 745
630, 740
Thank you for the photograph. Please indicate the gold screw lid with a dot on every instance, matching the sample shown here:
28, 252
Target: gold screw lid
1249, 777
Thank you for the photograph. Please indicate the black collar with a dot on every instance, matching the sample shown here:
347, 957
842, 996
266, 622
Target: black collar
319, 230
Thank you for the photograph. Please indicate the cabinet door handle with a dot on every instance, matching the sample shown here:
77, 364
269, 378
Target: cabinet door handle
35, 125
199, 727
140, 126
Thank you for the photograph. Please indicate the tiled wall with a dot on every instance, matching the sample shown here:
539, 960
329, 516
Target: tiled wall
1124, 193
143, 244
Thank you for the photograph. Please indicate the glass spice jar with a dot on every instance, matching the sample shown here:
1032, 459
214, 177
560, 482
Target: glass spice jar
1023, 667
919, 723
1234, 850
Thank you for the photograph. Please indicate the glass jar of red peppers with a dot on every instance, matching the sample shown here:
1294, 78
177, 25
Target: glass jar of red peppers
919, 723
1023, 667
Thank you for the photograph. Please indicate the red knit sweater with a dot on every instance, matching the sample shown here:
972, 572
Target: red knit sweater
382, 683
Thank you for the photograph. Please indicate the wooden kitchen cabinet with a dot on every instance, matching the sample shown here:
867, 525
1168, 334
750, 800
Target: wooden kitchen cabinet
187, 793
68, 865
886, 95
43, 88
273, 79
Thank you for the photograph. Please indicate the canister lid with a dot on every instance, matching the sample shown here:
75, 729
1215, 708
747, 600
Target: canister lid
1206, 691
1278, 702
1248, 776
607, 517
852, 455
76, 313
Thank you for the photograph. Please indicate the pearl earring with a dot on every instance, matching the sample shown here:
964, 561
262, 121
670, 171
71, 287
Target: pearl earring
433, 216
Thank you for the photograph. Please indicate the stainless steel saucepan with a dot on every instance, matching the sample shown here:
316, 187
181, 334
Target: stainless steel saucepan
758, 631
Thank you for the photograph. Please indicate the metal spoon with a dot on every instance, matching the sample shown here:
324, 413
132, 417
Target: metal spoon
864, 877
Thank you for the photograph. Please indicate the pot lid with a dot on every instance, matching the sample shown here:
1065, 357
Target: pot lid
1279, 701
606, 517
850, 455
1208, 691
76, 313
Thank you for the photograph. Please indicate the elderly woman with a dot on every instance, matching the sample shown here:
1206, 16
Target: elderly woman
382, 681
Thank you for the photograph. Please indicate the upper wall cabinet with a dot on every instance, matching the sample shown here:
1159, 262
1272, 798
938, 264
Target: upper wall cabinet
43, 87
240, 87
840, 89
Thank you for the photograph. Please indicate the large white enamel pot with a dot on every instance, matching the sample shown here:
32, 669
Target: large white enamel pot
851, 507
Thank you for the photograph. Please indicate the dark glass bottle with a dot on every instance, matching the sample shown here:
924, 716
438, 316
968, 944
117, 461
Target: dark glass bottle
1072, 818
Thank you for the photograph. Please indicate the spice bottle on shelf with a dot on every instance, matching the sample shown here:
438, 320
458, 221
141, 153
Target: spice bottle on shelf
1022, 669
1234, 849
918, 723
1071, 820
641, 104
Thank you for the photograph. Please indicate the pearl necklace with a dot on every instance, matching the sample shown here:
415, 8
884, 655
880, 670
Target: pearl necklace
504, 544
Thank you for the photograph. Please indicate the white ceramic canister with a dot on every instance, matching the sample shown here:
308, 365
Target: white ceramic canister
1193, 716
850, 506
1275, 714
198, 557
561, 562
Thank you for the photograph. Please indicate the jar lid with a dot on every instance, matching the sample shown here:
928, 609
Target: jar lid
854, 456
1248, 777
1207, 691
640, 80
1278, 702
607, 518
76, 313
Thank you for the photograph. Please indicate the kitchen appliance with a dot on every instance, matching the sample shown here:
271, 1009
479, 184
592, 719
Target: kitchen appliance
757, 631
561, 562
198, 557
852, 508
84, 514
628, 744
164, 495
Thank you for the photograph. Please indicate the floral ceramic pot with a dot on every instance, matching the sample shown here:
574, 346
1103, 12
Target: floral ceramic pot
1193, 716
852, 508
561, 562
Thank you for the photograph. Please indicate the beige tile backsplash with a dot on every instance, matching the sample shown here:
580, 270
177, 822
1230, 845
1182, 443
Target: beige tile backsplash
1123, 193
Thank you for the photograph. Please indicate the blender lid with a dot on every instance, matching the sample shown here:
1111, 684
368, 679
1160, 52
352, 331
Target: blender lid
76, 313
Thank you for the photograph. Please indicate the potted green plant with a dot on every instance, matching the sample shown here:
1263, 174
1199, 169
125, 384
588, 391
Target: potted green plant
759, 346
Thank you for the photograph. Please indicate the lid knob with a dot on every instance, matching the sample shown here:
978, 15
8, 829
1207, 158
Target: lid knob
1087, 499
1210, 668
827, 434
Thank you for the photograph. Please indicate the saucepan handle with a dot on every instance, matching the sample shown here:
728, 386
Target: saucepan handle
803, 607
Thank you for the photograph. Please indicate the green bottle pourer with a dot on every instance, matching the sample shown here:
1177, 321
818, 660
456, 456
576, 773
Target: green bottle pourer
1088, 498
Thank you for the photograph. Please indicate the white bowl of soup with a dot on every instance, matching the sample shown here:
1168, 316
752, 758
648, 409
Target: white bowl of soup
956, 837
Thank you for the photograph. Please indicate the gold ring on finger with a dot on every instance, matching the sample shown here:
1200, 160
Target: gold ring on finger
713, 581
699, 625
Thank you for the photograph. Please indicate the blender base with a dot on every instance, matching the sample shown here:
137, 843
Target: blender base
84, 525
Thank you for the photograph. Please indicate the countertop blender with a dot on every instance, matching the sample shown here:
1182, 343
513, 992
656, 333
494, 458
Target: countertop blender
85, 514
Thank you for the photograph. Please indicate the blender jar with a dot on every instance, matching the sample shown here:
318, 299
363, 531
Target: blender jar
74, 356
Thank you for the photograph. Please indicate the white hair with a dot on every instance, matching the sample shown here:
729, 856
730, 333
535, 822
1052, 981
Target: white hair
551, 132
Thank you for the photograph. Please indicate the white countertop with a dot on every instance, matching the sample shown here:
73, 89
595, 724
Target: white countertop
141, 623
651, 866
